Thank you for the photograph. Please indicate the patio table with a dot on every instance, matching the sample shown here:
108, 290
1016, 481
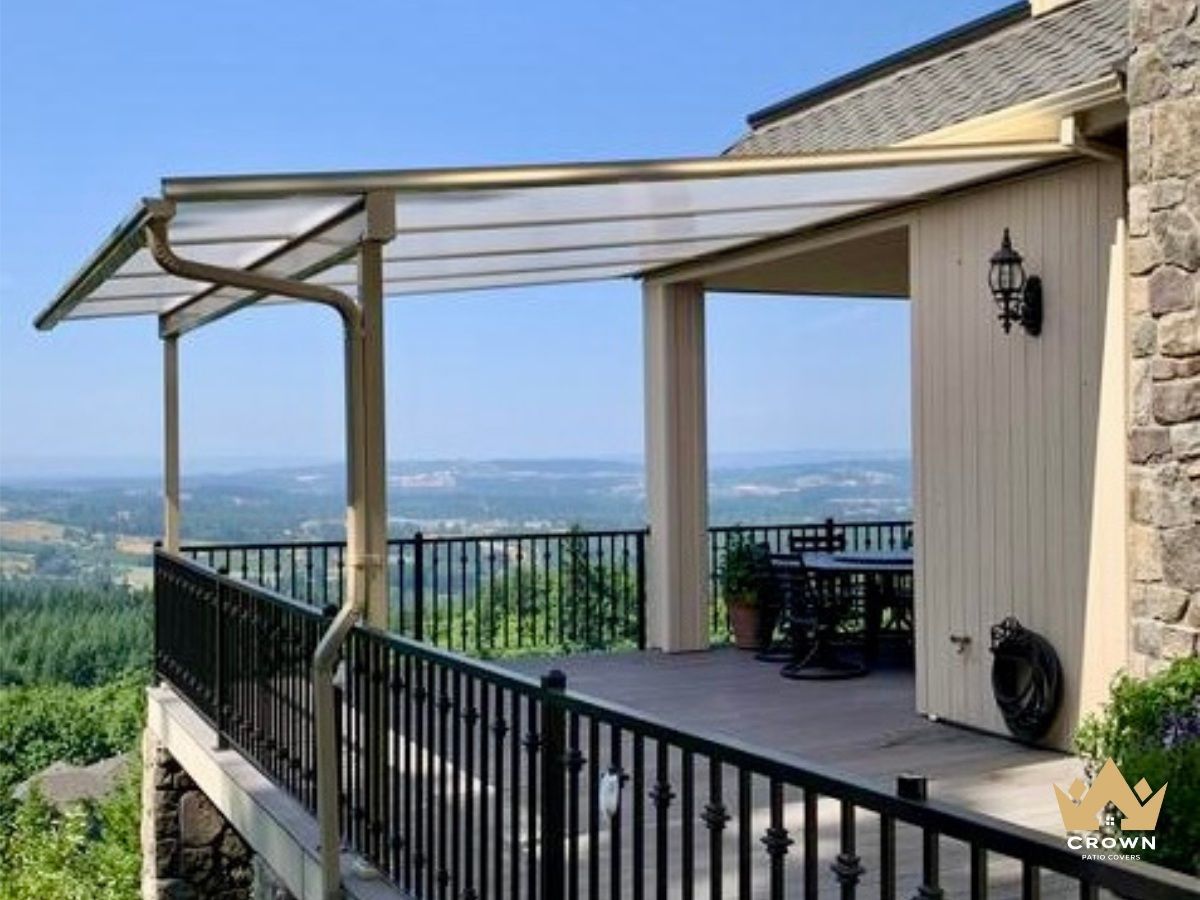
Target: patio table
881, 572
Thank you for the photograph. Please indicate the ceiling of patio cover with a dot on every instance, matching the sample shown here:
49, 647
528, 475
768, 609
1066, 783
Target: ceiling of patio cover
468, 229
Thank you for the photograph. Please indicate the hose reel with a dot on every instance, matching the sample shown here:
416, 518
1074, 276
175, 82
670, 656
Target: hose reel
1026, 679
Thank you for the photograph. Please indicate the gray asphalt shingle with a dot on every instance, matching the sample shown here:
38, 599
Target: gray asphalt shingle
1031, 58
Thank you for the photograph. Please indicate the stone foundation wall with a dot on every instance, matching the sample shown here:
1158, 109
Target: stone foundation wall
189, 850
1164, 310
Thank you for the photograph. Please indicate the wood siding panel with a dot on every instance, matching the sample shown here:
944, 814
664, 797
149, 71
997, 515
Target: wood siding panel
1013, 438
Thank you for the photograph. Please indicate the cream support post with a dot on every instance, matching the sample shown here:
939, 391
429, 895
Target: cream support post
366, 481
676, 465
171, 444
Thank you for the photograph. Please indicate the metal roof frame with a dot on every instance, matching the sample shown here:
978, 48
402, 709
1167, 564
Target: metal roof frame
623, 228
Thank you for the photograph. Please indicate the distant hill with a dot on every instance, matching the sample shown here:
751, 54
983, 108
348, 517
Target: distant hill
102, 527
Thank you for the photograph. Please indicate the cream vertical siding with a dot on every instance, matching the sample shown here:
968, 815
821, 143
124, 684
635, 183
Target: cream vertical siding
1019, 441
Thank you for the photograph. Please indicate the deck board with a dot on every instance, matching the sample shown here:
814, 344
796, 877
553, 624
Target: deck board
866, 727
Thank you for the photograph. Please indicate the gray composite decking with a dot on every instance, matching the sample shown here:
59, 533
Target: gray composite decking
866, 727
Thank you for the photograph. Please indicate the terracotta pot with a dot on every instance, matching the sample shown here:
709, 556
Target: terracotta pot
744, 617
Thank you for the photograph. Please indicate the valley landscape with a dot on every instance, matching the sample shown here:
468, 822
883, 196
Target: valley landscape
102, 530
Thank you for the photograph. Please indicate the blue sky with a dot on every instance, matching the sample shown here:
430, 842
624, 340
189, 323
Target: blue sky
98, 101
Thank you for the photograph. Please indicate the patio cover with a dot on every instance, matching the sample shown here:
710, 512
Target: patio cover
479, 228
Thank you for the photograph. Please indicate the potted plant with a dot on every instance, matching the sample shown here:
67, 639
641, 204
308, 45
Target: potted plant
742, 569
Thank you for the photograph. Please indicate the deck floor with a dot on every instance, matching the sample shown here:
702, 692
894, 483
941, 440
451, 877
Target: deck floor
866, 727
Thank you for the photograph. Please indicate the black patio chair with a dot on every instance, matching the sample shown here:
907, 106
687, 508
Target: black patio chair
819, 607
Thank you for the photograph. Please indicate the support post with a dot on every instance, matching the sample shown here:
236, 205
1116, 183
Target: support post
676, 466
171, 444
372, 547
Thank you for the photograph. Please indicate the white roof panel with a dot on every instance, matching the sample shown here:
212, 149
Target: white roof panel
468, 229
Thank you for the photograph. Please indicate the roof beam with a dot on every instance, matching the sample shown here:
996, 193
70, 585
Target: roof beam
251, 187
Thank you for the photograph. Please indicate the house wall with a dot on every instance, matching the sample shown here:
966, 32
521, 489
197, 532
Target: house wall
1020, 481
1164, 326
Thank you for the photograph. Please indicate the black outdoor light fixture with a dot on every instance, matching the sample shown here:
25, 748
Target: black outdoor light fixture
1019, 297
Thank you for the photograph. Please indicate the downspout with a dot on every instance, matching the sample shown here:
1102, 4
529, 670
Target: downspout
325, 657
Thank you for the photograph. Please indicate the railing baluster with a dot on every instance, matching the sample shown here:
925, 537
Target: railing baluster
499, 730
485, 692
533, 742
638, 838
978, 876
514, 796
930, 888
745, 863
1031, 884
662, 795
887, 857
776, 840
687, 865
614, 847
715, 817
445, 706
457, 712
812, 837
593, 764
848, 866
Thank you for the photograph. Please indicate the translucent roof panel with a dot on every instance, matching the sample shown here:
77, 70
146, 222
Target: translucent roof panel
468, 229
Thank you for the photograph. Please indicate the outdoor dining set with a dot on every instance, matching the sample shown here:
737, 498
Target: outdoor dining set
827, 611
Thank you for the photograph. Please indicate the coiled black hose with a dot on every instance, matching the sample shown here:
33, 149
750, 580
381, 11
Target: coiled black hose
1026, 679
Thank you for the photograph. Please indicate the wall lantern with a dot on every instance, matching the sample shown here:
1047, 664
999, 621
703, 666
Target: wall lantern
1019, 297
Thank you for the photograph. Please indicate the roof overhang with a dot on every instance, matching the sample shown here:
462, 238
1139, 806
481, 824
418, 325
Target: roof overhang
482, 228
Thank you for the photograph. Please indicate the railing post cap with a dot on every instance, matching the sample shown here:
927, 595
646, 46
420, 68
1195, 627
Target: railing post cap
555, 680
912, 787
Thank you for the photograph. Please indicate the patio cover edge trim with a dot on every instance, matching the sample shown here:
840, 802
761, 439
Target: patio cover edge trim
251, 187
122, 242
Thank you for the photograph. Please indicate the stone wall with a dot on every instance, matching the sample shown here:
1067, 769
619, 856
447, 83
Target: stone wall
1164, 309
189, 850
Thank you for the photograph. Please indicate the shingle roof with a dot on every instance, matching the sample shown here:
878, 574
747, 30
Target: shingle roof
1024, 59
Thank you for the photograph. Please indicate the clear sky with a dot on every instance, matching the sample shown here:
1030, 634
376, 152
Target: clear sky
100, 100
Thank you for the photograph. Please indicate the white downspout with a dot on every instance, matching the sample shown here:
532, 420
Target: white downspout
325, 657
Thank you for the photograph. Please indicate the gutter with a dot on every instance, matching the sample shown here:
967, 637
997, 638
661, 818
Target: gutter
154, 229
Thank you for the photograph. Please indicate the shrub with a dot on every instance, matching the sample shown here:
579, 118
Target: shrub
88, 852
1151, 729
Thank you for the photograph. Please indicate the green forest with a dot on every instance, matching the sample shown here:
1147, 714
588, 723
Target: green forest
75, 662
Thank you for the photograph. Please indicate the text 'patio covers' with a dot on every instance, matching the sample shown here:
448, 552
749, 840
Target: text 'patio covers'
468, 229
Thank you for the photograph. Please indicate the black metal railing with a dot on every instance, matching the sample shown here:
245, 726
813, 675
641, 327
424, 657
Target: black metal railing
500, 594
461, 779
858, 537
495, 594
242, 656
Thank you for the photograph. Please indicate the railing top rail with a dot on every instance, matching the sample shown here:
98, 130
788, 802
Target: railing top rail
213, 546
207, 547
238, 584
476, 668
526, 535
814, 523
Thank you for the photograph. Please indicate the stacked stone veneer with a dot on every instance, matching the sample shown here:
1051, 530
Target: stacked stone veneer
189, 850
1164, 329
